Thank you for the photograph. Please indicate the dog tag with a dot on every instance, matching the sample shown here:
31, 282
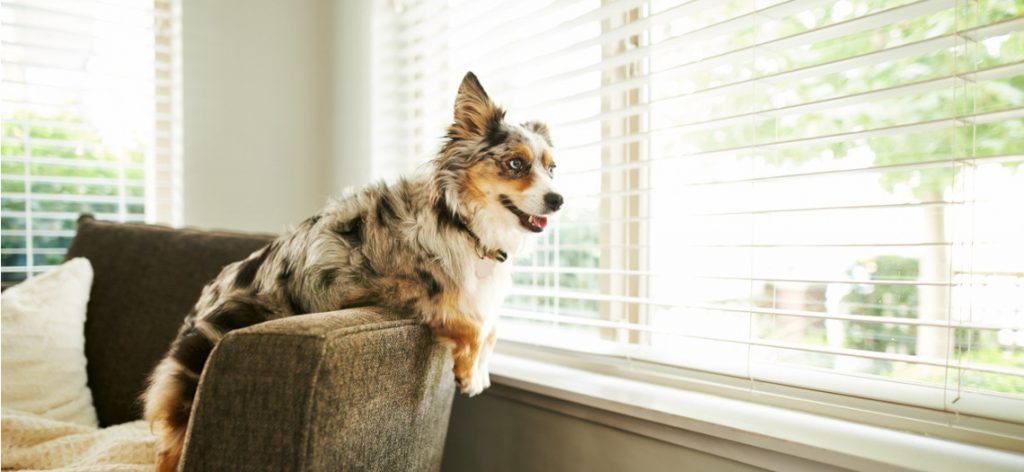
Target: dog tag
484, 268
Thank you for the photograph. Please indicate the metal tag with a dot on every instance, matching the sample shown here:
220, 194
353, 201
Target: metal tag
484, 268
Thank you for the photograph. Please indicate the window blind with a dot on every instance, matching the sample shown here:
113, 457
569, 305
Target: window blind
91, 121
816, 194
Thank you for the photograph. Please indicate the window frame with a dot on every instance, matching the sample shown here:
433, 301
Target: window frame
634, 210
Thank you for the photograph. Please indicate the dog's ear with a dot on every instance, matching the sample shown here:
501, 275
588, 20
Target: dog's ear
541, 129
476, 116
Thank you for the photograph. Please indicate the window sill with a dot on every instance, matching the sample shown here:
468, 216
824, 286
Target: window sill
748, 432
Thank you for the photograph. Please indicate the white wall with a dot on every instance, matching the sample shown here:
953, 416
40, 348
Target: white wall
351, 127
260, 97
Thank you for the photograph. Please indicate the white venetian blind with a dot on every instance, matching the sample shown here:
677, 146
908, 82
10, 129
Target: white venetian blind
91, 117
816, 194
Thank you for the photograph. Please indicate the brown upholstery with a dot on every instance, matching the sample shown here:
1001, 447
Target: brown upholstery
358, 389
146, 280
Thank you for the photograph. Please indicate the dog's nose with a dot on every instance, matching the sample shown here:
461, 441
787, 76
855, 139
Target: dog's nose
553, 201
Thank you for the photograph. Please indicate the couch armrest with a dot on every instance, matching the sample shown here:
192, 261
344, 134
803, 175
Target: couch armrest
358, 389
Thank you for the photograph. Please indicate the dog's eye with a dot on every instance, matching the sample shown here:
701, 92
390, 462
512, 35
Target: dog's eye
517, 163
551, 170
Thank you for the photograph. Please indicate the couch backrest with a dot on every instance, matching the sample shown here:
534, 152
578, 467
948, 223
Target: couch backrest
146, 280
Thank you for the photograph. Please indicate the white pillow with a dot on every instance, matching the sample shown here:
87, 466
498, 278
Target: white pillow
43, 363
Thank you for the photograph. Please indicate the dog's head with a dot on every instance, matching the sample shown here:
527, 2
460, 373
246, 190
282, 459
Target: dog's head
497, 174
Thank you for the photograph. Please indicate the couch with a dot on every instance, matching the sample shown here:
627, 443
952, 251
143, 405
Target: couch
356, 389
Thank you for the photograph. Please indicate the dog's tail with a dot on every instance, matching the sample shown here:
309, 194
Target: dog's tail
173, 384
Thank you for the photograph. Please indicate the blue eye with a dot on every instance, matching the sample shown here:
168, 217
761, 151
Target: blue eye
517, 163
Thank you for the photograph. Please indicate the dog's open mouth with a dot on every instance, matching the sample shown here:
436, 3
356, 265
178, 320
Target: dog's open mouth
530, 222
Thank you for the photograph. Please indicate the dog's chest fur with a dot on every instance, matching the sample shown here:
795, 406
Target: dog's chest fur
484, 294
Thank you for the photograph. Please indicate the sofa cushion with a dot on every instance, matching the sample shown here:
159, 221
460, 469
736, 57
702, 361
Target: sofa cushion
146, 279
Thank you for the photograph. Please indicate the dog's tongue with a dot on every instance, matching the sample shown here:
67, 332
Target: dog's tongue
539, 221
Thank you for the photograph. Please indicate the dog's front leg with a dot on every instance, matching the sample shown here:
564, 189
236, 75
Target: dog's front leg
465, 337
483, 363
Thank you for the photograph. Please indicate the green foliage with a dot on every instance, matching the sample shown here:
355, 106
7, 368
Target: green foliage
883, 300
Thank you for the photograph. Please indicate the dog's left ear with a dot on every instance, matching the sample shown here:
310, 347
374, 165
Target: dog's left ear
476, 116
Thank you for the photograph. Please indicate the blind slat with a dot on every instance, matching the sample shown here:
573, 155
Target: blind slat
941, 123
24, 269
59, 251
67, 216
39, 232
71, 162
925, 164
75, 180
60, 197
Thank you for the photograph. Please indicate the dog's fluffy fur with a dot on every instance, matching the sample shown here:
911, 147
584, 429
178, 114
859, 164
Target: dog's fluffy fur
413, 246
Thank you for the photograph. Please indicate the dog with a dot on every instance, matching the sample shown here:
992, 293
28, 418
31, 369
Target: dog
435, 245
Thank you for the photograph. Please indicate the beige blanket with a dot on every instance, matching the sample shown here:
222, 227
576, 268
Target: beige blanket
33, 442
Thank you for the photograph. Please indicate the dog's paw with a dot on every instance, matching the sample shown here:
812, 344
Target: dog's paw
484, 376
472, 386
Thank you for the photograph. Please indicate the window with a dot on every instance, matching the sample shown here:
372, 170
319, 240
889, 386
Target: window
91, 121
812, 194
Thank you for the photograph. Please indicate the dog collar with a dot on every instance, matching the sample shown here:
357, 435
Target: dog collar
484, 268
496, 255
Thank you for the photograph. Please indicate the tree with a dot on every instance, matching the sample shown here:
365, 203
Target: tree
931, 186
